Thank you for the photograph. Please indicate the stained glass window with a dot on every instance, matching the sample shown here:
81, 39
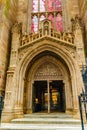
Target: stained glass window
42, 6
59, 22
51, 9
51, 17
34, 24
58, 5
42, 17
35, 6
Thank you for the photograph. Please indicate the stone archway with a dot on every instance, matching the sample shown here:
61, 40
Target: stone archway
28, 65
47, 68
29, 62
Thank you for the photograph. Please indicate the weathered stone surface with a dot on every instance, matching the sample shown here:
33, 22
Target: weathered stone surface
24, 54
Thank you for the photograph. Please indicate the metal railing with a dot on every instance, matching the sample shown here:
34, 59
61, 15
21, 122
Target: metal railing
1, 106
83, 107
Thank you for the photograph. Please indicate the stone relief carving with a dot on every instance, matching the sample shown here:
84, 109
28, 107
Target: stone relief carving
45, 30
48, 70
76, 23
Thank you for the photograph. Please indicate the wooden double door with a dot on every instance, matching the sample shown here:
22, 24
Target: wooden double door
48, 96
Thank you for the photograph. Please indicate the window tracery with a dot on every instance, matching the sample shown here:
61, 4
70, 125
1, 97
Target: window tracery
47, 9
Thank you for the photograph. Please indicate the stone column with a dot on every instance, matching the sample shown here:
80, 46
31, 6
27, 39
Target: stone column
29, 96
29, 14
22, 15
8, 19
68, 93
3, 56
78, 40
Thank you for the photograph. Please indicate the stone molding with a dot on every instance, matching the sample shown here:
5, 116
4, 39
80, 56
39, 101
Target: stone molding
47, 30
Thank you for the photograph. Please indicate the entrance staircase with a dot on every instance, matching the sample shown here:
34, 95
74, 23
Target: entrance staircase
43, 121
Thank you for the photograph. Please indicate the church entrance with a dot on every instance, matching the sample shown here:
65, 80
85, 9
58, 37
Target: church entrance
48, 87
48, 96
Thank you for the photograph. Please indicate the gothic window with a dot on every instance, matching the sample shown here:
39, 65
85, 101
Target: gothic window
47, 9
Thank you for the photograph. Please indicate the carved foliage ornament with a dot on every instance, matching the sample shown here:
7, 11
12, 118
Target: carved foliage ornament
48, 70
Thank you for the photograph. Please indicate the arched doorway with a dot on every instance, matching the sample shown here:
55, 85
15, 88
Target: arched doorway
48, 96
48, 86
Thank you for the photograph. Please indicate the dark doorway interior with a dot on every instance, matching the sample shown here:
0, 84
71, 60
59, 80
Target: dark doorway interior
56, 94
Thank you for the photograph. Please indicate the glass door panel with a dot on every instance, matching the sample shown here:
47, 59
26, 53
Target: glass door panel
55, 100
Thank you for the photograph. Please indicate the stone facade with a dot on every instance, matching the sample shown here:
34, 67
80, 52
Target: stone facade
45, 55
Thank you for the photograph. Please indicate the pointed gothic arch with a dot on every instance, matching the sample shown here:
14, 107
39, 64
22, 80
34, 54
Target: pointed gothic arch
65, 58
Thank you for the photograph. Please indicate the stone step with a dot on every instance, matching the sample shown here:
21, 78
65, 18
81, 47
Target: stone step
51, 115
45, 121
40, 127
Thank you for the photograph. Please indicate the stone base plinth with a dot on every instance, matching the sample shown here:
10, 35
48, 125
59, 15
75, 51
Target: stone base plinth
76, 114
29, 111
8, 115
69, 111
